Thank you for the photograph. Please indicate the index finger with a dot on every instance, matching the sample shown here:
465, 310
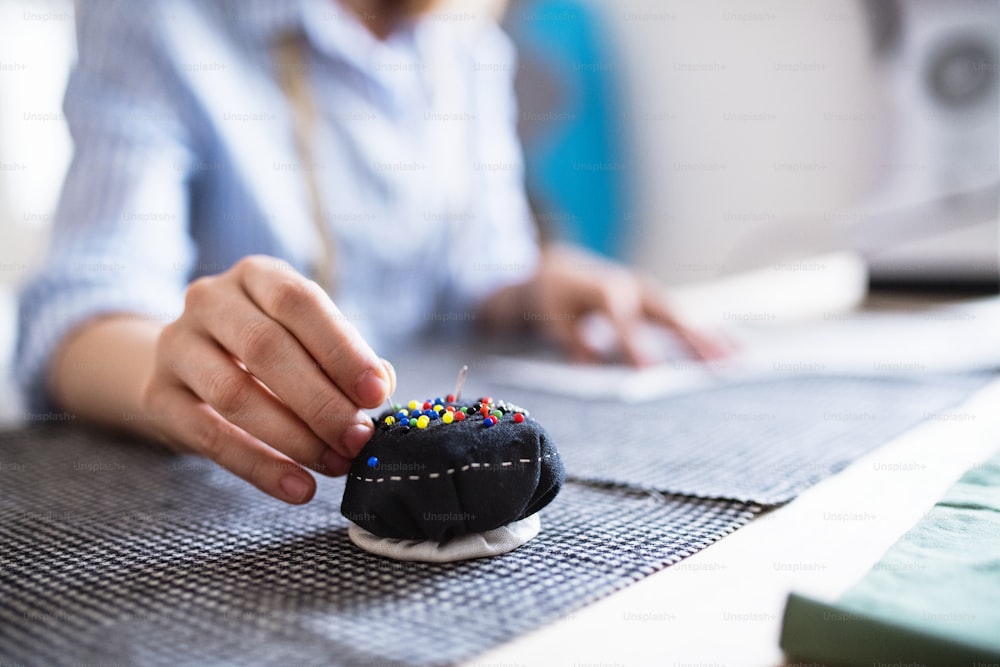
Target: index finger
307, 312
701, 346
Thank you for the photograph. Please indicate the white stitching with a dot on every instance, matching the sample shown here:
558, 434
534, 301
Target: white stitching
449, 471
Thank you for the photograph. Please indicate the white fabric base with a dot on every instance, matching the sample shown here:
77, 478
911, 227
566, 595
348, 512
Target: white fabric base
474, 545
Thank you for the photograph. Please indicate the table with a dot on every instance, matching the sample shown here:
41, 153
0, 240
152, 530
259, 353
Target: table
723, 605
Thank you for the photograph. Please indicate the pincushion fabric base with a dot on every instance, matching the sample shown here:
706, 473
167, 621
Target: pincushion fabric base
466, 547
444, 480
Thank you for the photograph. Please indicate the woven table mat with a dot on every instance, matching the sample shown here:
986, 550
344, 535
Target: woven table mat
115, 552
112, 551
763, 442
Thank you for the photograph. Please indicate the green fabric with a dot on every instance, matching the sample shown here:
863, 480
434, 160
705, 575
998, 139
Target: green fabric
818, 633
940, 583
944, 575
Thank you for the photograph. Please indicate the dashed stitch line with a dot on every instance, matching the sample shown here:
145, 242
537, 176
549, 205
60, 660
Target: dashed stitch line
450, 471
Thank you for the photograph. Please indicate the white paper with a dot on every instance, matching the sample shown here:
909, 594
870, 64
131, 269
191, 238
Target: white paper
957, 338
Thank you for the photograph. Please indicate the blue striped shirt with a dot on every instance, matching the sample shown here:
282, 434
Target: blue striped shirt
185, 162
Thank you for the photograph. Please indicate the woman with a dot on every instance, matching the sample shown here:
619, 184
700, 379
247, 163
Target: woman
228, 149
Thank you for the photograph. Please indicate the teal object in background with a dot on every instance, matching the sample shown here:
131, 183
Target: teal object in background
570, 123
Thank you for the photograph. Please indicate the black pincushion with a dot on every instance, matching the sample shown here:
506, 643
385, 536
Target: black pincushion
451, 476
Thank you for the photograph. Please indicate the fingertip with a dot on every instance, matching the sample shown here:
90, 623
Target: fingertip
707, 348
357, 436
581, 353
629, 344
635, 358
372, 388
297, 488
631, 347
335, 465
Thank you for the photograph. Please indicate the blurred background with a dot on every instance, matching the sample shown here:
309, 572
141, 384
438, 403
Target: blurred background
696, 140
701, 139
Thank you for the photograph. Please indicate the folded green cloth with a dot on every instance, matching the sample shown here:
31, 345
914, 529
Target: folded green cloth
934, 598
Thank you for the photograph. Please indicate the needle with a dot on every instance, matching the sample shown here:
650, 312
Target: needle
460, 382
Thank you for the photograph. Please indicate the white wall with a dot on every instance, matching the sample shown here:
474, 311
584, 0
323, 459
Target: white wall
745, 116
36, 50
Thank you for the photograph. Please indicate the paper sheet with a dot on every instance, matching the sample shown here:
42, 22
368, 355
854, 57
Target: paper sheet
960, 338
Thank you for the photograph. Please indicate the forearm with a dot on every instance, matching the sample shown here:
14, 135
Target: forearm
101, 371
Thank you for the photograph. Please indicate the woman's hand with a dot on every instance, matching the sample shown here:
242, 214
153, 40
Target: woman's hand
264, 375
261, 373
570, 284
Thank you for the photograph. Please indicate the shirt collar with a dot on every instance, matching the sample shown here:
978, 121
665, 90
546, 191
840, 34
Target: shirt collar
336, 31
330, 26
263, 20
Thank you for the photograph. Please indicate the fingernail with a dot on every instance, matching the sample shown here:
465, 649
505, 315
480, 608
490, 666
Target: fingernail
371, 389
357, 437
295, 487
390, 373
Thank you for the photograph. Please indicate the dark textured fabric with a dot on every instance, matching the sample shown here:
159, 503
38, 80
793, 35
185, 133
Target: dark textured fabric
112, 552
446, 480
